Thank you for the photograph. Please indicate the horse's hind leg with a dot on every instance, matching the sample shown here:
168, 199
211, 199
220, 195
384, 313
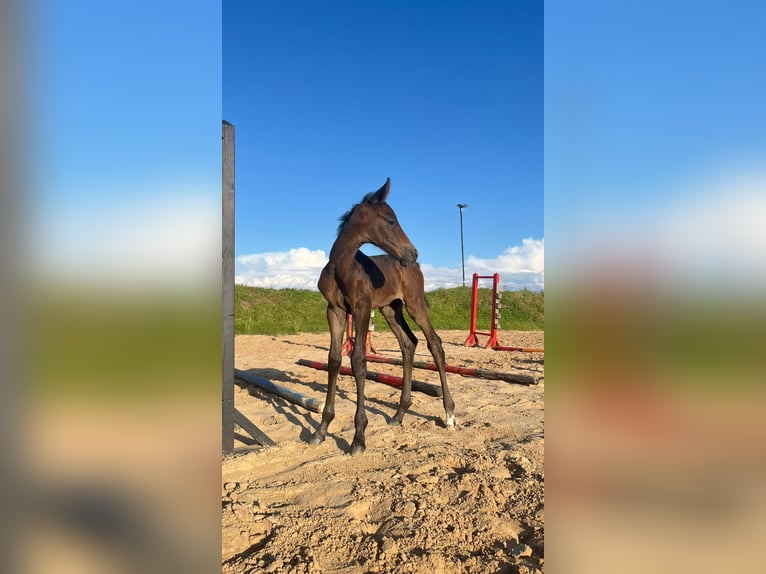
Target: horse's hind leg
407, 342
419, 312
359, 366
336, 318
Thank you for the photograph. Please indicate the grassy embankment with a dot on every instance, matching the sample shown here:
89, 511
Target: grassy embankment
288, 311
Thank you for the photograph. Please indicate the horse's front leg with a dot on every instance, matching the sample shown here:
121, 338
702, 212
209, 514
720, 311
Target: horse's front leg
359, 366
336, 319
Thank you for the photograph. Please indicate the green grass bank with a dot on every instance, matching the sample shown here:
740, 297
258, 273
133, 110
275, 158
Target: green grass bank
260, 311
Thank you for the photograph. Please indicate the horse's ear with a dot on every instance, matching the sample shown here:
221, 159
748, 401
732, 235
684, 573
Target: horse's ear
381, 195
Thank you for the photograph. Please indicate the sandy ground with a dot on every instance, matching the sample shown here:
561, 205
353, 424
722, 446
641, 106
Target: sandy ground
421, 498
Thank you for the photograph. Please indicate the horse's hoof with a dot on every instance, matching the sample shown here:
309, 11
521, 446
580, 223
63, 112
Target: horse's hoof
316, 439
394, 422
357, 449
451, 423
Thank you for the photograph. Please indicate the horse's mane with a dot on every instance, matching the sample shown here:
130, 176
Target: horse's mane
343, 219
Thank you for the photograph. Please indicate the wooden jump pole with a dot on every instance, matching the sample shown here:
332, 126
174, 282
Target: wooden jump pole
390, 380
520, 349
293, 397
515, 378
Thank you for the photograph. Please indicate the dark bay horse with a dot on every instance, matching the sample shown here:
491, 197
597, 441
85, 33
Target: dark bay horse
354, 283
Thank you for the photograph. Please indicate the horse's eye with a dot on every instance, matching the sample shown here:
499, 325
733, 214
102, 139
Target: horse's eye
390, 221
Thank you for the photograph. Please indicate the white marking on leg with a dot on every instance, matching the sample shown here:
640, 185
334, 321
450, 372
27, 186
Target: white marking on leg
451, 422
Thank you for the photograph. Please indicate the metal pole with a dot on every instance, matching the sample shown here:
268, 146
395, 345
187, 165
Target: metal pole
462, 206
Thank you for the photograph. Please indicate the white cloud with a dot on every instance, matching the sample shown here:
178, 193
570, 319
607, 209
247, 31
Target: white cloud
297, 268
529, 257
520, 267
441, 277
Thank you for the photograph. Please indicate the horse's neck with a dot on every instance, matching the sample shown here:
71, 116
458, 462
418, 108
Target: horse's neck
344, 250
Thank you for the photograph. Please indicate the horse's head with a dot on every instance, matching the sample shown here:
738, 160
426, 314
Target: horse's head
376, 223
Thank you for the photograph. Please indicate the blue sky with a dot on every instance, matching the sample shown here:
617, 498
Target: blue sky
125, 147
649, 107
329, 99
655, 147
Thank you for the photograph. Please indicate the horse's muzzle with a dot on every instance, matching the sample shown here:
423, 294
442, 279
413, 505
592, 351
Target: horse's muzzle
409, 257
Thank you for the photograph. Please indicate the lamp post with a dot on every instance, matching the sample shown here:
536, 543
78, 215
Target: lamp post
462, 206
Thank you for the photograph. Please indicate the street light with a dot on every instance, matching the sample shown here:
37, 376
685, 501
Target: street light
462, 206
